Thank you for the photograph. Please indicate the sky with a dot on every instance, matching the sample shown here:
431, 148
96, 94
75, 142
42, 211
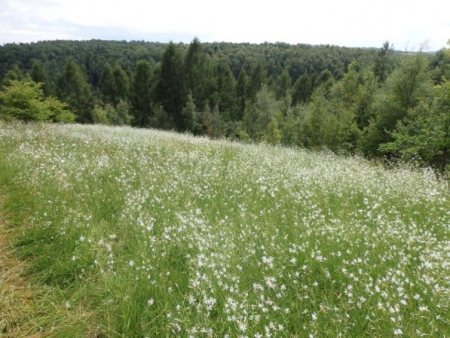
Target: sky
407, 24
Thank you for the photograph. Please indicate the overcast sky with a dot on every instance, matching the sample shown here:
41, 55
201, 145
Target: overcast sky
352, 23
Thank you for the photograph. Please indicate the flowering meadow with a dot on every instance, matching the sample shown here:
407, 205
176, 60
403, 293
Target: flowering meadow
144, 233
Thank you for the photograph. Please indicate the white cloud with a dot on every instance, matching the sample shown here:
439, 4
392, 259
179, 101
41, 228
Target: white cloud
349, 23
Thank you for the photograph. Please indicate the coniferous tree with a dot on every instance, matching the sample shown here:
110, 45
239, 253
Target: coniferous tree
39, 75
325, 79
283, 84
242, 91
326, 123
114, 84
404, 89
192, 117
171, 92
273, 134
199, 74
424, 134
226, 91
383, 62
258, 77
121, 84
141, 96
259, 114
107, 85
302, 89
75, 91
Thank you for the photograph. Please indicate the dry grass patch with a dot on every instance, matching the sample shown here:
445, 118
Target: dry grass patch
16, 293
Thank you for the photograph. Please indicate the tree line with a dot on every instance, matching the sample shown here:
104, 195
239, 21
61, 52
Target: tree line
378, 102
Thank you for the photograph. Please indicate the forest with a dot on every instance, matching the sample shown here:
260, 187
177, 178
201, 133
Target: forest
380, 103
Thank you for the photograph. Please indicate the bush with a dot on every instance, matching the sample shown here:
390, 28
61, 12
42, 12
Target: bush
24, 100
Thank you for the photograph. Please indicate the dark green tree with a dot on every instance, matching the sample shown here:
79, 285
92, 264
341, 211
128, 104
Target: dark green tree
326, 123
384, 62
39, 75
302, 89
283, 85
405, 88
141, 94
226, 91
424, 135
199, 74
121, 84
242, 90
273, 133
114, 84
358, 87
171, 92
259, 113
107, 85
325, 79
258, 77
192, 117
74, 89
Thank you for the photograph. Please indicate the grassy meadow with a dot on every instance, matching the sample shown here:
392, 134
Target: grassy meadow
143, 233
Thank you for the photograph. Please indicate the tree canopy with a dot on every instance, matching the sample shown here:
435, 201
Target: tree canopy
378, 102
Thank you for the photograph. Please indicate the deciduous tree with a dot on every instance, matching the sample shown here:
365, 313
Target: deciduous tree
25, 100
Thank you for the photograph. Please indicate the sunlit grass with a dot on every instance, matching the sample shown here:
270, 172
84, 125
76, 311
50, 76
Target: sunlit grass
140, 233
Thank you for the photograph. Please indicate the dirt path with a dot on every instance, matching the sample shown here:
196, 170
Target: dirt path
16, 294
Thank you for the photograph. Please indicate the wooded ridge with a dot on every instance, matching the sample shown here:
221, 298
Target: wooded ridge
377, 102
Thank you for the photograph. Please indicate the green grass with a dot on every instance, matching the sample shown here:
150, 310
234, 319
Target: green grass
141, 233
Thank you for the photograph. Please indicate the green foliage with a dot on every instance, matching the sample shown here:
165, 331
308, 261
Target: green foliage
13, 74
192, 117
283, 85
39, 75
123, 116
142, 91
160, 119
24, 100
302, 89
405, 87
171, 92
327, 123
121, 84
325, 79
107, 86
110, 115
257, 78
213, 125
424, 135
273, 134
242, 89
371, 93
198, 71
258, 115
114, 84
100, 116
356, 91
59, 111
291, 122
226, 91
73, 88
384, 62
